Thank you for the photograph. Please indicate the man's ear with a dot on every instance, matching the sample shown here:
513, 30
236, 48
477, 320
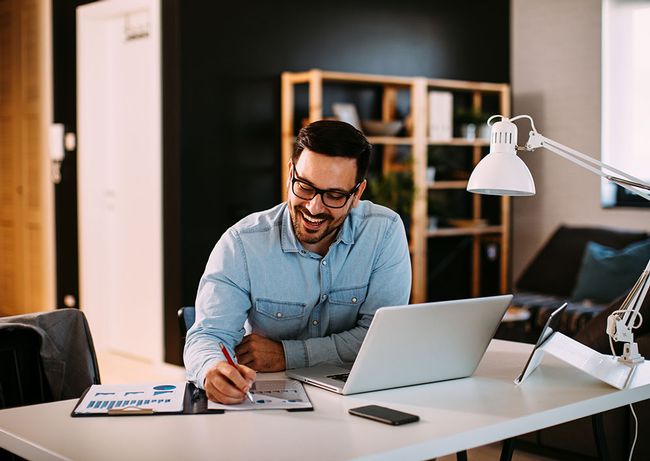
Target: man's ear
358, 193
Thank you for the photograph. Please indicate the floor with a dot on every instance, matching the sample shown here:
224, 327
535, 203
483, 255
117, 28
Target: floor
117, 368
492, 453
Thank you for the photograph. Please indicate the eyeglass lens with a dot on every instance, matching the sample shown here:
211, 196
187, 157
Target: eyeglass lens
330, 198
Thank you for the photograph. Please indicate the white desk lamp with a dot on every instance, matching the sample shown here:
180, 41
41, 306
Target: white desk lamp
501, 172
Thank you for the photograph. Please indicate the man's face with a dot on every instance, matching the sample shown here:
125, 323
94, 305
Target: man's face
314, 223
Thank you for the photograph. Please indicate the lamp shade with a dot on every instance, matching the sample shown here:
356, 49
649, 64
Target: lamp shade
501, 172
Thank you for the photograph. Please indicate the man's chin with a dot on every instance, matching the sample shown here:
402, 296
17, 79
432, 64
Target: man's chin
307, 236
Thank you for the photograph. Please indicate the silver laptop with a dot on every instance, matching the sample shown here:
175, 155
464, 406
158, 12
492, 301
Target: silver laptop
415, 344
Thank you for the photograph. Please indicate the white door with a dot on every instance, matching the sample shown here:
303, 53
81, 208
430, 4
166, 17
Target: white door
120, 175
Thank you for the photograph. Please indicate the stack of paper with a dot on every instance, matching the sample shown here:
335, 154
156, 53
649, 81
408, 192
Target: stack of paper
280, 394
155, 397
441, 115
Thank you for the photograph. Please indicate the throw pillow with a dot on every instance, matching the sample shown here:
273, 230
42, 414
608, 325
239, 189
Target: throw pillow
606, 273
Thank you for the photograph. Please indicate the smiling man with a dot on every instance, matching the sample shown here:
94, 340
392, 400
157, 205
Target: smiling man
298, 285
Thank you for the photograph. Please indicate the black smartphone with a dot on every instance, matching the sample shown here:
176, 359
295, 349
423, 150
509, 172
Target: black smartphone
384, 415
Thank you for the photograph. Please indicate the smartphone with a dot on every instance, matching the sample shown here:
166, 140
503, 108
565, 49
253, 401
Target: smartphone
384, 415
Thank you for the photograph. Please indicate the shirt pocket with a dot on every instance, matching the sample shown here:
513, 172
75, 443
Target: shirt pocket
344, 307
278, 319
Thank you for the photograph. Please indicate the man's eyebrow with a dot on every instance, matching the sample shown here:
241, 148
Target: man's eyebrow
336, 189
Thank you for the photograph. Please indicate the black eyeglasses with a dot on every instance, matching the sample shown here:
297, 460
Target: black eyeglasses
332, 198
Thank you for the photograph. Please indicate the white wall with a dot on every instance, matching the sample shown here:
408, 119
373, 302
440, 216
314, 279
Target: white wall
556, 77
120, 175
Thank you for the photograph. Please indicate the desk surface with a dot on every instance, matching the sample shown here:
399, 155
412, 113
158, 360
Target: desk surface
455, 415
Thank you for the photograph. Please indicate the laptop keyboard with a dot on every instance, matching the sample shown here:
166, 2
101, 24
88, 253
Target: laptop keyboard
340, 377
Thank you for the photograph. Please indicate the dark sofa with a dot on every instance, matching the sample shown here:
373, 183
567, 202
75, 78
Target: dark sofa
551, 276
547, 282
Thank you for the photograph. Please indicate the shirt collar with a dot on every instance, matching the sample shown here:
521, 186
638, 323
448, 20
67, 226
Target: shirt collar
290, 242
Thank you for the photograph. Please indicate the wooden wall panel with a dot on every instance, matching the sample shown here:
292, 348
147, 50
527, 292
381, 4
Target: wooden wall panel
25, 227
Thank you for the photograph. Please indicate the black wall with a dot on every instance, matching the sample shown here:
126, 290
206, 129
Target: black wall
221, 99
231, 62
65, 111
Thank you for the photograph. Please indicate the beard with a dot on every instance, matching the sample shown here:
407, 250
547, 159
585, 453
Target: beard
313, 229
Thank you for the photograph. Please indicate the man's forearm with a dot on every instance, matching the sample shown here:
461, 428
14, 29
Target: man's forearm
337, 348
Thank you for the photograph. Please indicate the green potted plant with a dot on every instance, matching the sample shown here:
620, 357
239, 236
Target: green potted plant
470, 122
395, 190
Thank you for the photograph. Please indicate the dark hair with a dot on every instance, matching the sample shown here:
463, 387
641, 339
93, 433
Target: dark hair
335, 139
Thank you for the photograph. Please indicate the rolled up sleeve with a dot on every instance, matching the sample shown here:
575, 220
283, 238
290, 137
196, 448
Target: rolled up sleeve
222, 305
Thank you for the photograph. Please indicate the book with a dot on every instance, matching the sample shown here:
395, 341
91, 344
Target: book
441, 117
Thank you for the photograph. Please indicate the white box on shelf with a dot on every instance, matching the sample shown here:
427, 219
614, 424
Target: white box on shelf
441, 104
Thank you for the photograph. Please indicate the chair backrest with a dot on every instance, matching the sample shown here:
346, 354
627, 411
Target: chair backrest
66, 355
186, 317
22, 380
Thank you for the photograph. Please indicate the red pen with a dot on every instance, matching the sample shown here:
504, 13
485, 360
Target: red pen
232, 363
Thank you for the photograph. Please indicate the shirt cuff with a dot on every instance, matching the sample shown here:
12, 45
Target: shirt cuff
200, 377
295, 354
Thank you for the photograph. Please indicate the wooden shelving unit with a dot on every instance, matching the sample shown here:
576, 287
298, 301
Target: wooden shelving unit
419, 142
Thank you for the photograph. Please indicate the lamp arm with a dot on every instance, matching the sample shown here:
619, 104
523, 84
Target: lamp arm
628, 317
627, 181
632, 303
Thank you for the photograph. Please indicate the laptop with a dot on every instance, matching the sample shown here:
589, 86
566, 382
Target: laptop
415, 344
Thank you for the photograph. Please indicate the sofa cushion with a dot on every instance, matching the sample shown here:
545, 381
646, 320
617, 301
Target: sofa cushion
554, 269
540, 306
607, 273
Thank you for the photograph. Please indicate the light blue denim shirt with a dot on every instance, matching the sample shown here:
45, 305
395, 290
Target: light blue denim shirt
260, 278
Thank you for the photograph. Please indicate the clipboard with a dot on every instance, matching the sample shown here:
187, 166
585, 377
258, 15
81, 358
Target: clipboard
193, 401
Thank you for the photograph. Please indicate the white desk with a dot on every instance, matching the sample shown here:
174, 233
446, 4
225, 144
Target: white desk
455, 415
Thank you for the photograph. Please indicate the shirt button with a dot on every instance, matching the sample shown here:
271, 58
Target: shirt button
279, 315
314, 322
302, 252
324, 263
323, 298
354, 300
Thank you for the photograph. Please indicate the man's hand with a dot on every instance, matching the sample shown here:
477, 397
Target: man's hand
227, 384
261, 354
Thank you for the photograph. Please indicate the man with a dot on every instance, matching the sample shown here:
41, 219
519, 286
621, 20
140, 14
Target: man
305, 277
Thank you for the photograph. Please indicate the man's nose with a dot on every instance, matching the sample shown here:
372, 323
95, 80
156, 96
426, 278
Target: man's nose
315, 205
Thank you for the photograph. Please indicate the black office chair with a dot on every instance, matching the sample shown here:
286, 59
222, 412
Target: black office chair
56, 345
22, 379
186, 318
45, 357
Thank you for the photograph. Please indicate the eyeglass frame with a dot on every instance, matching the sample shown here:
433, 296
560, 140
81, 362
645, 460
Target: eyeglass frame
317, 191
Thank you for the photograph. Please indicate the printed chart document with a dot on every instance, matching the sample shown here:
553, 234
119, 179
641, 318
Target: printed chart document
279, 394
132, 398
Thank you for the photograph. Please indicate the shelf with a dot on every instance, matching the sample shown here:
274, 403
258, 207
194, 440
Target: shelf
405, 140
461, 85
447, 185
387, 140
391, 140
457, 231
418, 143
432, 83
460, 142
